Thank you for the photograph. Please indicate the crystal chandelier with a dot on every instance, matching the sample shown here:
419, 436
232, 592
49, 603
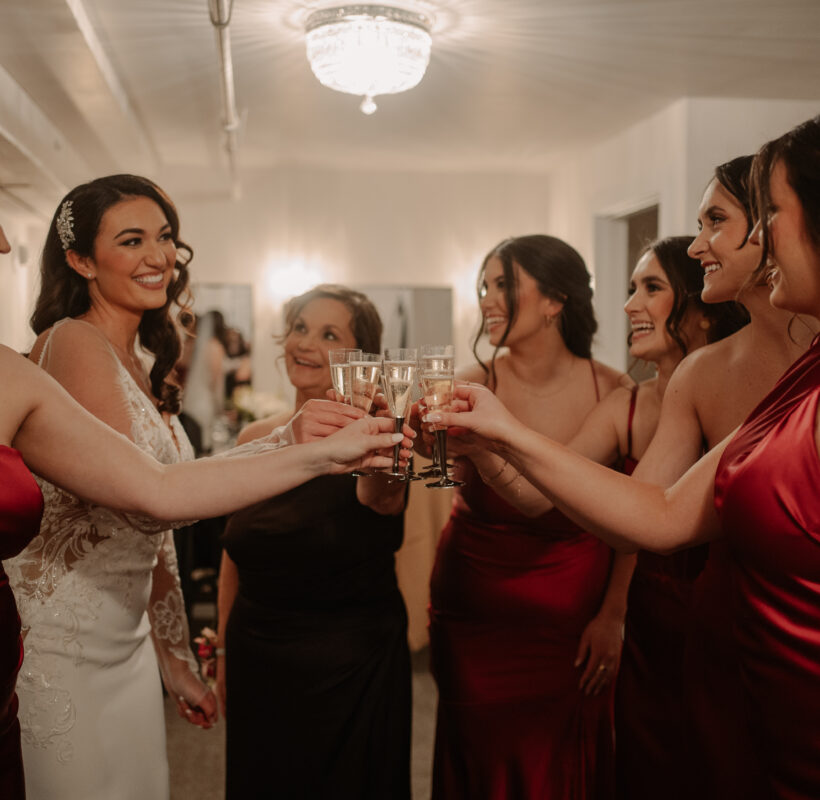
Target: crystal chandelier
368, 49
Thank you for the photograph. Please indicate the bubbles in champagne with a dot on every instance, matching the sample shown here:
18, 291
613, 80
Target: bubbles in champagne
399, 377
340, 375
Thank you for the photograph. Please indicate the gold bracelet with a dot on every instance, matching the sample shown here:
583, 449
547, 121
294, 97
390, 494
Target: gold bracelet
497, 474
511, 480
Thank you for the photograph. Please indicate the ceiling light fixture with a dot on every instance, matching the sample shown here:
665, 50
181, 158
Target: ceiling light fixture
368, 49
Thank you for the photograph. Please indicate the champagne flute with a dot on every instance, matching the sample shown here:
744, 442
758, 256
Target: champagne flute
340, 372
434, 358
365, 376
438, 382
399, 370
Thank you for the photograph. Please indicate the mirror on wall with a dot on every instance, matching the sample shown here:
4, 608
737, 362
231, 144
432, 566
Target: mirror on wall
216, 364
413, 315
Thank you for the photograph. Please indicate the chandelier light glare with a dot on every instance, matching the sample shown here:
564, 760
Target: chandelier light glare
368, 49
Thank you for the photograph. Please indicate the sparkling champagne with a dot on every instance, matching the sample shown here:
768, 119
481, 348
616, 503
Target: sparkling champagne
341, 376
364, 382
438, 391
399, 378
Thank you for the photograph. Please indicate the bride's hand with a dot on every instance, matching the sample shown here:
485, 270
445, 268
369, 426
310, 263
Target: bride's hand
196, 703
366, 443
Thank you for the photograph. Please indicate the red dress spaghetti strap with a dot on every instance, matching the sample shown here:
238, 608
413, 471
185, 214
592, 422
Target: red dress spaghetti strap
767, 494
650, 734
510, 597
21, 506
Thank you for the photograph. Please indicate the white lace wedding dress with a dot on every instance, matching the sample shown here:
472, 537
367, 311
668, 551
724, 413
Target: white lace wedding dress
94, 588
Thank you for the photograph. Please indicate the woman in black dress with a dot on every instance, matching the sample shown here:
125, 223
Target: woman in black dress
314, 670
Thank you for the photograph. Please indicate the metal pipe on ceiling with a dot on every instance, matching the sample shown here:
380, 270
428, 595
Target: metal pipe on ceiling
220, 13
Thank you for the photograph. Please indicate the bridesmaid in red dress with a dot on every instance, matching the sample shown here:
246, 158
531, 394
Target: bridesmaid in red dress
710, 394
759, 491
514, 597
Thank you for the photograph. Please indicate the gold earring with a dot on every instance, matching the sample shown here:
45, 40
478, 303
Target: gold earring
705, 324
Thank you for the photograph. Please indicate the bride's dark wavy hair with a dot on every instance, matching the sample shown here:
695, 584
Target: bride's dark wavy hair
64, 293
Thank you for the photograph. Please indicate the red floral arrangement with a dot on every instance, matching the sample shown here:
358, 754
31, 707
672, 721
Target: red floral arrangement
206, 653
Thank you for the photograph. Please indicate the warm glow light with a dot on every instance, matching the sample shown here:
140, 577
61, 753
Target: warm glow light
368, 50
286, 279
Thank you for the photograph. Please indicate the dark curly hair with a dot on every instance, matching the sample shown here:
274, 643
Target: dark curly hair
560, 273
64, 293
365, 322
685, 276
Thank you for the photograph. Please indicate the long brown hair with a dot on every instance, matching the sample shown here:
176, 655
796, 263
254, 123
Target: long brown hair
799, 152
64, 293
560, 274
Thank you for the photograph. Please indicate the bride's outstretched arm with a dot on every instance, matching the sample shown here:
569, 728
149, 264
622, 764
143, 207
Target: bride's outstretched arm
68, 446
622, 511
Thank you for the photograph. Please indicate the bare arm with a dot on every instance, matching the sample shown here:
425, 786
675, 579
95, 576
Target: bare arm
71, 448
597, 440
624, 512
678, 440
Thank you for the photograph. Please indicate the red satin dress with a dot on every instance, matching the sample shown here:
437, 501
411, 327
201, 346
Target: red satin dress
21, 506
767, 493
510, 597
651, 738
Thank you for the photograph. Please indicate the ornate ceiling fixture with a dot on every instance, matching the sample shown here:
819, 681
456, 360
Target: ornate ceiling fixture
368, 49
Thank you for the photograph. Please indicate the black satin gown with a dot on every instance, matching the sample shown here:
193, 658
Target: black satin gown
318, 668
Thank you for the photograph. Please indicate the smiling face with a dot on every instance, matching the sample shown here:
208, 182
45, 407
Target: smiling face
133, 258
532, 310
651, 300
323, 324
721, 247
793, 268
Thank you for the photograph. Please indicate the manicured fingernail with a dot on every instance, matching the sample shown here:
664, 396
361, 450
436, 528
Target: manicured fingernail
397, 437
432, 417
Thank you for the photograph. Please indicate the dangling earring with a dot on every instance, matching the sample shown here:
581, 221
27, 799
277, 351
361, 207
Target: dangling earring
705, 324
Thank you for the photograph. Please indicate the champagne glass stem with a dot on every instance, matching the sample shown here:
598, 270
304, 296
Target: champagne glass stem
397, 448
441, 448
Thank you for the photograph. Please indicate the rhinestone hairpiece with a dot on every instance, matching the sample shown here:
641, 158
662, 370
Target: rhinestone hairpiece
65, 224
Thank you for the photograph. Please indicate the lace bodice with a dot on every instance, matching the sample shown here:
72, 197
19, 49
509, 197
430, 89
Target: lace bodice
95, 582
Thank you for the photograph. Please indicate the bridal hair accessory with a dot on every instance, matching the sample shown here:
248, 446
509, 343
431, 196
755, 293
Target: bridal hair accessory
65, 224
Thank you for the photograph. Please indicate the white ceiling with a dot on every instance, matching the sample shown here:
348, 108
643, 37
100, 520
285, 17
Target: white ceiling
90, 87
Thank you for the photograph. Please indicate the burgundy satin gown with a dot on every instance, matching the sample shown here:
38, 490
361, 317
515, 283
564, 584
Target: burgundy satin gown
21, 506
767, 494
652, 753
510, 597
